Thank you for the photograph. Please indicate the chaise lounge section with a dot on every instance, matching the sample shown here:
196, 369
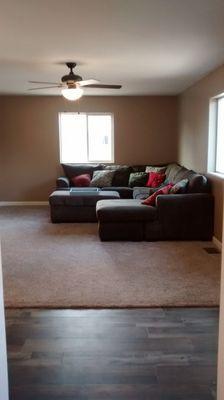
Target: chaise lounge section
175, 217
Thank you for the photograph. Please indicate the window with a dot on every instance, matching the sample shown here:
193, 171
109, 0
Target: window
216, 135
220, 136
86, 137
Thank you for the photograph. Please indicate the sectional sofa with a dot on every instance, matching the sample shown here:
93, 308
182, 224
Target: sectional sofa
187, 215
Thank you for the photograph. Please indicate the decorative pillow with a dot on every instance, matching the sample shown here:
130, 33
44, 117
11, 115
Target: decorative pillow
180, 187
102, 178
121, 176
138, 179
138, 168
81, 180
141, 193
150, 201
160, 170
155, 179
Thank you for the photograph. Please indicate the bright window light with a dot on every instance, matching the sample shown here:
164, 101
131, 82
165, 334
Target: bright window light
220, 136
86, 138
99, 129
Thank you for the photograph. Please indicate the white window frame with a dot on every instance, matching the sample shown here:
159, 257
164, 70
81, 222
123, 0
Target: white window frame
87, 136
212, 136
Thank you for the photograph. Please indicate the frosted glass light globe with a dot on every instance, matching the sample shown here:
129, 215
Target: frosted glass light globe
72, 93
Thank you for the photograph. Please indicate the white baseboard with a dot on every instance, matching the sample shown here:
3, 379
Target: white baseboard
23, 203
217, 243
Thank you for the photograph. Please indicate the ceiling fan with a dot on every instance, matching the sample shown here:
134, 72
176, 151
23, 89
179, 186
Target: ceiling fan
72, 84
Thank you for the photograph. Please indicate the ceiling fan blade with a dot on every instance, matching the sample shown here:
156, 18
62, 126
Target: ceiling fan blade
45, 87
88, 82
45, 83
104, 86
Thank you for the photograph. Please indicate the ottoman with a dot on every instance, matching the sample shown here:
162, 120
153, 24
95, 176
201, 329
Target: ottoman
77, 206
125, 219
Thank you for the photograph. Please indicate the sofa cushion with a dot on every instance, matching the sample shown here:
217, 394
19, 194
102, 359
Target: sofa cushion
138, 179
142, 193
124, 211
139, 168
151, 200
198, 184
176, 173
114, 167
72, 170
124, 192
102, 178
80, 199
171, 171
183, 173
121, 174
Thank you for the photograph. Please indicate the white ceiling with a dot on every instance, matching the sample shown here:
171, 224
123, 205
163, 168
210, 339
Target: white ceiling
148, 46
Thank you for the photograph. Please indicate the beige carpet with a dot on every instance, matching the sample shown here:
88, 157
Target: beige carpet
66, 265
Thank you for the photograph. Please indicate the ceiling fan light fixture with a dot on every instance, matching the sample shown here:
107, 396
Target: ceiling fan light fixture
72, 94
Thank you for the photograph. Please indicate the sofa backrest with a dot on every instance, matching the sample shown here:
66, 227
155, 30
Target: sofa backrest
174, 172
72, 170
197, 183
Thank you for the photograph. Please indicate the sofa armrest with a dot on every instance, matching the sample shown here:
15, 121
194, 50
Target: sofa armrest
62, 182
186, 216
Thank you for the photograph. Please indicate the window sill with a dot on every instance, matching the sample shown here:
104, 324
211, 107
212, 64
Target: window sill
217, 174
87, 162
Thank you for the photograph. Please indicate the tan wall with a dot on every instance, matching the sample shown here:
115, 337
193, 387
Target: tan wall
145, 132
193, 133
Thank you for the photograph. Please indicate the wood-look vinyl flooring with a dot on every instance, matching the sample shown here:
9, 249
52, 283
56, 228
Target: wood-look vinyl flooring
133, 354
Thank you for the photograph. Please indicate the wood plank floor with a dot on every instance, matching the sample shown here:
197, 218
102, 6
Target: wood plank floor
153, 354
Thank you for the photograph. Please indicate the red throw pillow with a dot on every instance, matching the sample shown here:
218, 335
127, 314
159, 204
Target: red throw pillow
81, 180
155, 179
150, 201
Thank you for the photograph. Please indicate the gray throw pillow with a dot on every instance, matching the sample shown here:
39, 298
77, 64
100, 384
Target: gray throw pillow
102, 178
180, 187
160, 170
141, 193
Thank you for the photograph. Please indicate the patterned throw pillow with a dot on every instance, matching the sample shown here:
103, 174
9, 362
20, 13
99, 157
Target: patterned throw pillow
102, 178
155, 179
138, 179
151, 200
160, 170
180, 187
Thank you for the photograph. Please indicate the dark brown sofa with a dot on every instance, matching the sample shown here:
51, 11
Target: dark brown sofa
184, 216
